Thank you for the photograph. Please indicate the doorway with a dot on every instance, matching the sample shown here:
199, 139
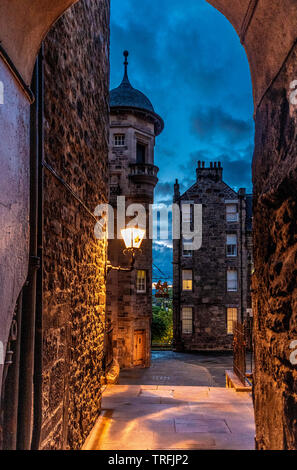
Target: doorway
139, 348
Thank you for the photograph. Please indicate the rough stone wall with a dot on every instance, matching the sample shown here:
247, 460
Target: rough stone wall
76, 126
275, 252
209, 297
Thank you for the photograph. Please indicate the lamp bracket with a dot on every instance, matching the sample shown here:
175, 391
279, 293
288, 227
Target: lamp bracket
127, 251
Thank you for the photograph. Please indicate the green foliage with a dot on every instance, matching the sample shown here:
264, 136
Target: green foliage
162, 324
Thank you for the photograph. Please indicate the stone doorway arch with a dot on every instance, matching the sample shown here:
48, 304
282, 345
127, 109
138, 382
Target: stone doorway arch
267, 29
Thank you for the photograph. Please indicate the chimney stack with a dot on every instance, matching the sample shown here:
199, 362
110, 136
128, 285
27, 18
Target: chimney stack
176, 191
214, 171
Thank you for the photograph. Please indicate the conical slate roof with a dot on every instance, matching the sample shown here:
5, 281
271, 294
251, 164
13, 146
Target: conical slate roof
126, 95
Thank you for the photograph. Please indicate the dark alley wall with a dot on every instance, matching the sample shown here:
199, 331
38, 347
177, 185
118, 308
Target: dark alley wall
76, 125
275, 252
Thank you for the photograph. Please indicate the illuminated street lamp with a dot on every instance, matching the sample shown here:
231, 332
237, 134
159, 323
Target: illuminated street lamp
133, 238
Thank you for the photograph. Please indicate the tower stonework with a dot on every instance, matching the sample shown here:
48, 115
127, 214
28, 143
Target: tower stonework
133, 175
211, 286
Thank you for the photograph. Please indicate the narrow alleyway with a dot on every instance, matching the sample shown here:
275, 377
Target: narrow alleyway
179, 409
171, 368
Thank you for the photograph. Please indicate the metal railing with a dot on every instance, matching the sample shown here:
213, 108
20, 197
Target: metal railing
242, 342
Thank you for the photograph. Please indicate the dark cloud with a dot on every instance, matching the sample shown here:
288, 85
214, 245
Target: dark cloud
163, 189
236, 166
213, 123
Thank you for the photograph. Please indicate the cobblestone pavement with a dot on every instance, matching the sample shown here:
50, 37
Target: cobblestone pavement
155, 417
172, 368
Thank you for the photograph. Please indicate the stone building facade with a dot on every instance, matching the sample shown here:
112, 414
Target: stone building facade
211, 285
133, 176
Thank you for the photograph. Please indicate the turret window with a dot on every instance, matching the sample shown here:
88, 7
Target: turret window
141, 153
119, 140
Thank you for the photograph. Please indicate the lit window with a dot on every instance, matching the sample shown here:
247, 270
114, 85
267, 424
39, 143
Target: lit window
232, 280
231, 247
187, 279
231, 213
187, 320
119, 140
231, 318
141, 281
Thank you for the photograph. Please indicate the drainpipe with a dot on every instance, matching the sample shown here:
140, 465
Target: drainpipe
176, 300
26, 389
37, 378
241, 260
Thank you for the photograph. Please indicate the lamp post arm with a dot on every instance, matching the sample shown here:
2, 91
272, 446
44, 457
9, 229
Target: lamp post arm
110, 267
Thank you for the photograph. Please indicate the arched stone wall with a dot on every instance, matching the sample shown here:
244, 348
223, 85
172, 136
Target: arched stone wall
23, 25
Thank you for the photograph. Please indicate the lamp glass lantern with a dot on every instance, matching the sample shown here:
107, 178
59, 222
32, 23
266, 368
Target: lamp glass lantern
133, 237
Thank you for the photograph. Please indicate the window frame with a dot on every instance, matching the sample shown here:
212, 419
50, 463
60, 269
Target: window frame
188, 331
187, 280
234, 245
145, 146
230, 331
123, 142
186, 253
142, 280
235, 214
230, 280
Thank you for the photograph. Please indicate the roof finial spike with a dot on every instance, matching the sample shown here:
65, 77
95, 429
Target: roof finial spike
126, 54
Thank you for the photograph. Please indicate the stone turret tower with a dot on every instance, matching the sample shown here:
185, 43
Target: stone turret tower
133, 128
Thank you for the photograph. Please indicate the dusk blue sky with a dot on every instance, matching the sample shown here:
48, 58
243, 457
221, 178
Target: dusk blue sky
188, 60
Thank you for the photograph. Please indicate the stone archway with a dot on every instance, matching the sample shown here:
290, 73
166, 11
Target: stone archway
267, 31
24, 26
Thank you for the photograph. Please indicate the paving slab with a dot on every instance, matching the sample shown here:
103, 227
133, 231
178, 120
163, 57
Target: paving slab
201, 425
140, 418
156, 393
